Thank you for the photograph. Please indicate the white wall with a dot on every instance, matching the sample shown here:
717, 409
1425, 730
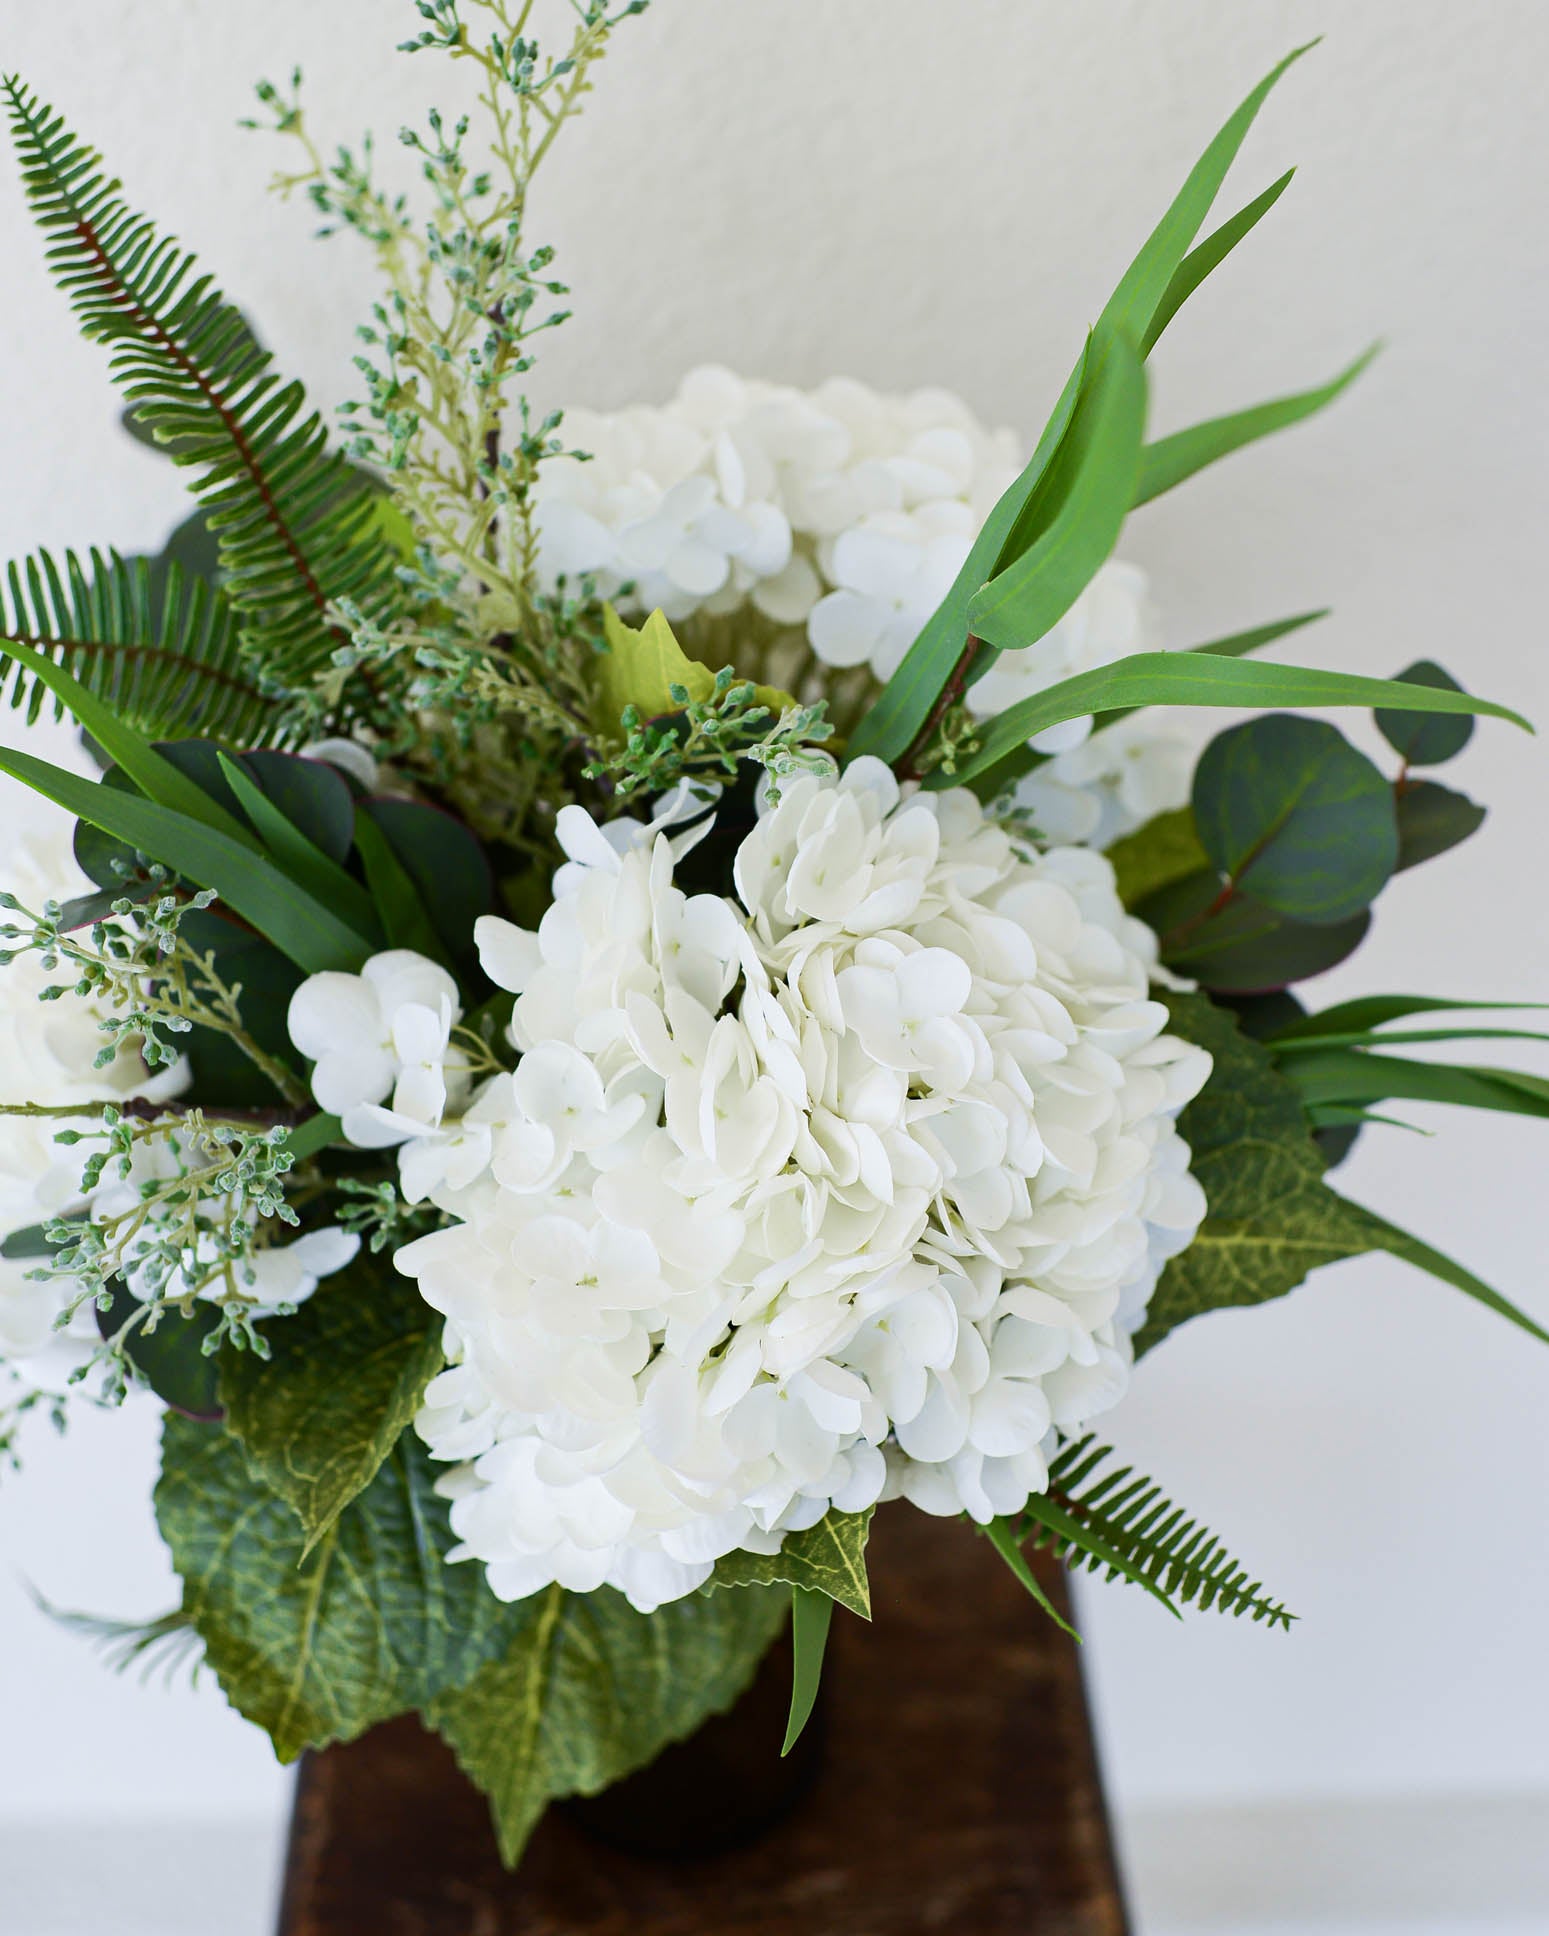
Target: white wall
930, 192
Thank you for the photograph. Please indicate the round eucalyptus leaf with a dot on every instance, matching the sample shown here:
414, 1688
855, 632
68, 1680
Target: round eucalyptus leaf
1288, 810
199, 761
1243, 947
1432, 819
1425, 739
171, 1359
312, 795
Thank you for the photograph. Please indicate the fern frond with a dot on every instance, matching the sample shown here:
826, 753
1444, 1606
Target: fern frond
165, 656
294, 521
157, 1647
1110, 1521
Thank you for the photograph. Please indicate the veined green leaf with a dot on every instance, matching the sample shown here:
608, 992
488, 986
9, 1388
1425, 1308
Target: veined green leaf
1099, 460
829, 1557
312, 936
1355, 1076
1170, 460
811, 1614
1002, 1536
155, 776
1197, 679
1209, 255
890, 726
296, 856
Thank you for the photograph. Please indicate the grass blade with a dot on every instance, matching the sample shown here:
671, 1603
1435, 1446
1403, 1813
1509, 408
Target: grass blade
297, 857
1209, 255
811, 1615
1002, 1536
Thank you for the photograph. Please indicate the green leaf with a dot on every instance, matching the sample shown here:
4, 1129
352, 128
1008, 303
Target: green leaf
1238, 946
267, 980
297, 857
641, 667
28, 1245
445, 864
1171, 460
1165, 850
1272, 1218
145, 636
312, 794
372, 1623
155, 775
394, 896
1291, 813
829, 1557
1004, 1537
1093, 479
1190, 679
1209, 255
1369, 1012
171, 1359
1432, 820
1418, 738
317, 1133
589, 1690
251, 886
1357, 1077
344, 1378
812, 1614
890, 726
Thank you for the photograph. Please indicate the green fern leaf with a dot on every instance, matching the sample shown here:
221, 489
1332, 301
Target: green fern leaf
1108, 1520
165, 657
294, 522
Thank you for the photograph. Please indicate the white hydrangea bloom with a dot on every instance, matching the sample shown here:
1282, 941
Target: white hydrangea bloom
48, 1055
853, 1185
846, 514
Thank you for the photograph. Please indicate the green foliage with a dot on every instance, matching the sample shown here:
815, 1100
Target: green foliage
342, 1380
169, 1355
829, 1557
296, 528
371, 1623
1432, 820
1234, 945
1209, 255
1155, 856
1354, 1077
1005, 1536
589, 1690
445, 867
1114, 1522
1172, 460
1289, 812
159, 650
812, 1614
1419, 738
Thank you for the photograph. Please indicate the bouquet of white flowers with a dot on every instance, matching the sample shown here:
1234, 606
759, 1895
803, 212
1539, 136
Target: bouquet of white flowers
631, 988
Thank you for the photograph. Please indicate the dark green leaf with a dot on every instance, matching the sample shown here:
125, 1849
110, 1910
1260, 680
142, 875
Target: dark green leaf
312, 795
445, 863
1163, 851
394, 895
1419, 738
1208, 256
266, 979
829, 1557
589, 1690
1369, 1012
297, 856
811, 1615
1432, 819
251, 886
1289, 811
1171, 460
23, 1246
344, 1377
1189, 679
1241, 947
1357, 1077
372, 1623
318, 1132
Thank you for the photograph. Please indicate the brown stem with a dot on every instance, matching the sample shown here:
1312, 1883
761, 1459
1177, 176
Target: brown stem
906, 767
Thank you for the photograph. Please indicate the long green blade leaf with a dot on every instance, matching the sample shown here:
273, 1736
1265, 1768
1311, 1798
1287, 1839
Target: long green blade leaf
1401, 1243
299, 858
251, 886
811, 1614
1002, 1536
156, 777
1172, 459
1366, 1039
1372, 1011
1102, 452
1199, 679
1209, 255
1358, 1077
394, 894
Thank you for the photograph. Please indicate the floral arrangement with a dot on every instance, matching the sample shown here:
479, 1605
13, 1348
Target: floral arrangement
628, 988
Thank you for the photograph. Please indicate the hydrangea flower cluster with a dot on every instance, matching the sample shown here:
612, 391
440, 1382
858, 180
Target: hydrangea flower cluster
851, 1185
845, 516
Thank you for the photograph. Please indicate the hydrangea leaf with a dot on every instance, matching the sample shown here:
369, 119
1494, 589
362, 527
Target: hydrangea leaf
641, 667
1291, 813
1432, 820
1421, 738
829, 1557
1272, 1218
590, 1690
372, 1623
344, 1377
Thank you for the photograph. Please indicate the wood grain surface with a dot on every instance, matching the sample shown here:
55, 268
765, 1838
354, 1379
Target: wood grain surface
956, 1793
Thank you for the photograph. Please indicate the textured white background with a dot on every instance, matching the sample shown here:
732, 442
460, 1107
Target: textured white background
942, 191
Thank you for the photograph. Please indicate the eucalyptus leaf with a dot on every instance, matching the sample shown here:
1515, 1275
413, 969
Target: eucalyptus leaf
1238, 946
446, 865
344, 1377
589, 1690
1171, 460
1432, 820
1289, 811
1420, 738
1163, 851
